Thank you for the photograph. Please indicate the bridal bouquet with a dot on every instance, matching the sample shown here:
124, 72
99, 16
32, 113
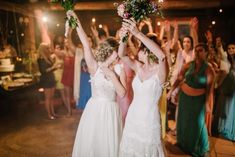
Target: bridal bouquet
138, 9
67, 5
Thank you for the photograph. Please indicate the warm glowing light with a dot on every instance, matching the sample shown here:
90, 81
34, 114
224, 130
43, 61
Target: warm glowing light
100, 25
158, 23
93, 20
57, 25
160, 1
213, 22
19, 59
22, 34
221, 10
44, 19
41, 89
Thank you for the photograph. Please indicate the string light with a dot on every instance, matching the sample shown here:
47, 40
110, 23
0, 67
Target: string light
221, 10
44, 19
213, 22
159, 23
41, 89
100, 25
57, 25
93, 20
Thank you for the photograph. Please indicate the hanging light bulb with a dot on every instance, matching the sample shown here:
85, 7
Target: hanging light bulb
26, 21
44, 19
21, 20
93, 20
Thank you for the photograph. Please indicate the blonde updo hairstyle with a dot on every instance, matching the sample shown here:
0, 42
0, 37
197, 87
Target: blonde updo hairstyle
105, 49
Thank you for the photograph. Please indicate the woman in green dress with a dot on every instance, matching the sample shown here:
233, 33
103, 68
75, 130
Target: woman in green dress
196, 83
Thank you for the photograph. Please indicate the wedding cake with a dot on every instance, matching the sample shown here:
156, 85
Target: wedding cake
6, 66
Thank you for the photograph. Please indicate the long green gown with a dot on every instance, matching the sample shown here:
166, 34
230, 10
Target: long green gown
192, 136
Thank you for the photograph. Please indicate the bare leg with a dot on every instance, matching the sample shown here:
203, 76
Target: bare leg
47, 101
67, 98
62, 93
52, 101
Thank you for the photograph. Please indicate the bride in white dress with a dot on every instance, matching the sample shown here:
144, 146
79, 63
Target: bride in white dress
100, 128
142, 130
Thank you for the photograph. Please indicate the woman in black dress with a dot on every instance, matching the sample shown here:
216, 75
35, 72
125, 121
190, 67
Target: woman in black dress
47, 80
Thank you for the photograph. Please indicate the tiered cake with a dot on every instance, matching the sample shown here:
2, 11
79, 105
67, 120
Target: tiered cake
6, 66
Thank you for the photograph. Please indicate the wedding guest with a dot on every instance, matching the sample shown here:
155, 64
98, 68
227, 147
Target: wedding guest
196, 87
68, 71
47, 79
225, 108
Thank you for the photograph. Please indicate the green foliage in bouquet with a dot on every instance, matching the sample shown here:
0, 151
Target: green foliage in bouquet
67, 5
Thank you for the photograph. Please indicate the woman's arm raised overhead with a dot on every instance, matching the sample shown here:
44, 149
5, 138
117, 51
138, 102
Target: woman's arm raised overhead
88, 55
122, 52
130, 25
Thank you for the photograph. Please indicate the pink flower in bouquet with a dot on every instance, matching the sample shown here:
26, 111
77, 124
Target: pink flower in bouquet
121, 10
126, 15
154, 7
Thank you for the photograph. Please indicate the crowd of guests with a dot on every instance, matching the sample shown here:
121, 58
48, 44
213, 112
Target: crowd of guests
200, 83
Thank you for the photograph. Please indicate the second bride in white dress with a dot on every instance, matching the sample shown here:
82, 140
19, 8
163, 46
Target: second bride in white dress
142, 130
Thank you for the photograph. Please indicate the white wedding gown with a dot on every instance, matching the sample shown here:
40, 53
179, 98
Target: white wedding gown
142, 131
100, 127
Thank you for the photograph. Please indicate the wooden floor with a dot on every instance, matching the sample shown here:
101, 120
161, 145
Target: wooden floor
26, 132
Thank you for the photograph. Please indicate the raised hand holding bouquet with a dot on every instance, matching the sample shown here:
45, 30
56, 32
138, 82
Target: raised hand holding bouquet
71, 21
138, 10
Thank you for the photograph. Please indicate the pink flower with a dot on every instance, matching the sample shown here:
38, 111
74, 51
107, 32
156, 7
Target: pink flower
126, 15
121, 9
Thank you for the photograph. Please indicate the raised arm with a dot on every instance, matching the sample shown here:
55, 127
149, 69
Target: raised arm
96, 34
106, 29
130, 25
209, 88
72, 47
131, 45
88, 55
194, 29
149, 24
122, 52
176, 32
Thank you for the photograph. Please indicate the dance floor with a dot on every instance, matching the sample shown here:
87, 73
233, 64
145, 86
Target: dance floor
26, 132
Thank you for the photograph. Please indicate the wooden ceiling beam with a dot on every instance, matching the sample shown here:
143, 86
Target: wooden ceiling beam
173, 4
27, 9
17, 8
183, 4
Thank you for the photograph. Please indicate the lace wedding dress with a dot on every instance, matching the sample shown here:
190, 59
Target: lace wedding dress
100, 128
142, 130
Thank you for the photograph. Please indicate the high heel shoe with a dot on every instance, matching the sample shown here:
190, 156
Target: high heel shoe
52, 118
